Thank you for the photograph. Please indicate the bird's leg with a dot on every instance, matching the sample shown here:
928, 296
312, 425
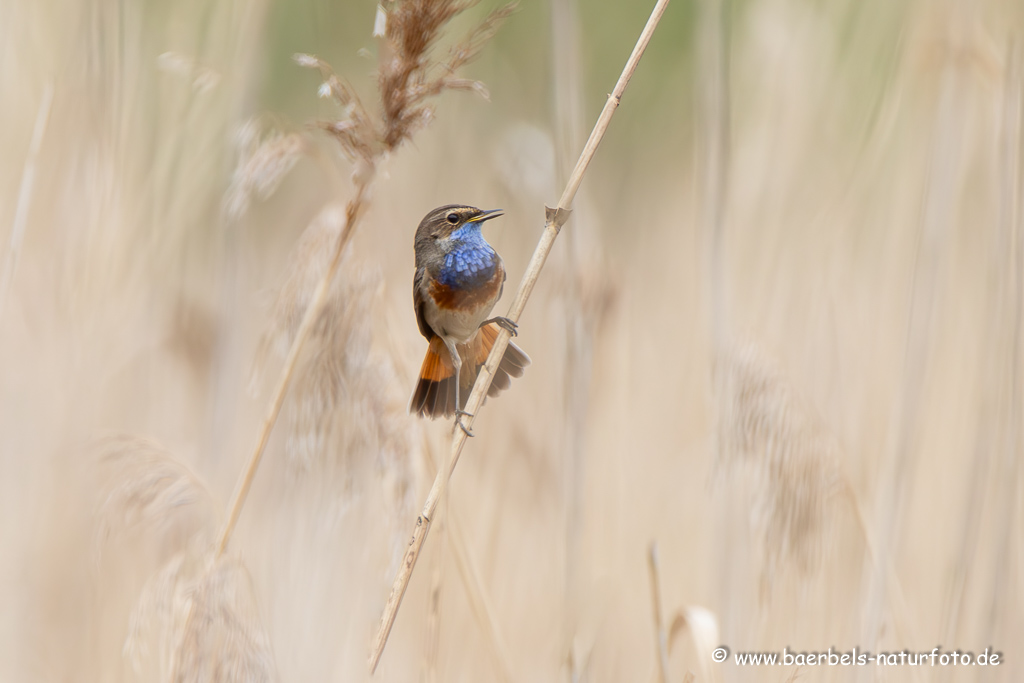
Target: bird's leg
505, 324
457, 362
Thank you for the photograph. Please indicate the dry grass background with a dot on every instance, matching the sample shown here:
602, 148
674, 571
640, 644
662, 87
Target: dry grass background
834, 462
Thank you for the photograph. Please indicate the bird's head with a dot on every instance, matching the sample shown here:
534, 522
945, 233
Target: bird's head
442, 226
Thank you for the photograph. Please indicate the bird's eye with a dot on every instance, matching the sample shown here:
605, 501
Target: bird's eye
452, 218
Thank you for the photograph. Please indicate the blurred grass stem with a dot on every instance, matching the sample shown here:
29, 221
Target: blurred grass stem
1008, 445
581, 316
659, 622
28, 177
715, 173
999, 364
939, 205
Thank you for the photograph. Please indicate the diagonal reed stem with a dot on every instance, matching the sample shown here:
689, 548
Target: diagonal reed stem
554, 220
352, 212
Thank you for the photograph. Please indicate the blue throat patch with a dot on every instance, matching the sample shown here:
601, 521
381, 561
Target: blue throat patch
471, 261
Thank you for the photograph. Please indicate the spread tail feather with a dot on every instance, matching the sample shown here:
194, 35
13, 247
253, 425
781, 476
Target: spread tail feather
435, 390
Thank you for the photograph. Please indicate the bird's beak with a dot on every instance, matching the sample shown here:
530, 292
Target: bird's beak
487, 215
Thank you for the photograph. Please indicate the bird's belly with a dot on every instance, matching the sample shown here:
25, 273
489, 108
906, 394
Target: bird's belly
460, 326
457, 312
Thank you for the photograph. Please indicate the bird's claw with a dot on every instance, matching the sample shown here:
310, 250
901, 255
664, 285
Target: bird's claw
458, 421
506, 324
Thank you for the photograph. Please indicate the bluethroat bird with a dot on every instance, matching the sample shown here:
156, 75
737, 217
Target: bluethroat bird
459, 277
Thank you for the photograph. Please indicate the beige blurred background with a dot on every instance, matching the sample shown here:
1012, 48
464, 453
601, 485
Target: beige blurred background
779, 337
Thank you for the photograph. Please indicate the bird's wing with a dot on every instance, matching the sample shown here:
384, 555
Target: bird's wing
418, 301
504, 276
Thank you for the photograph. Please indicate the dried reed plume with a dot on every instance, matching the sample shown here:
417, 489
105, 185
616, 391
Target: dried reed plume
767, 430
203, 622
201, 76
344, 374
265, 156
409, 75
145, 488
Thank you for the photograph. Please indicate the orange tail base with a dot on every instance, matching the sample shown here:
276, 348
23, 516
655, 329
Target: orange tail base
435, 390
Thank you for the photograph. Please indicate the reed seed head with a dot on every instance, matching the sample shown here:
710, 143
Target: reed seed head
146, 488
770, 432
